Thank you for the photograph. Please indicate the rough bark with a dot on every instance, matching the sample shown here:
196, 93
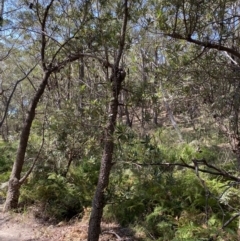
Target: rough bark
106, 164
98, 203
15, 178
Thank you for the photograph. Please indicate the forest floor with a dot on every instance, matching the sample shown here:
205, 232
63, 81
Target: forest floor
26, 227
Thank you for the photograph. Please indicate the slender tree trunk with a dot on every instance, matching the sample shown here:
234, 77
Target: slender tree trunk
106, 163
170, 114
81, 82
117, 77
155, 104
144, 79
129, 121
15, 178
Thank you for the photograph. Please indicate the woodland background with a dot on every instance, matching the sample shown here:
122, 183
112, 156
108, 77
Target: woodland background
148, 90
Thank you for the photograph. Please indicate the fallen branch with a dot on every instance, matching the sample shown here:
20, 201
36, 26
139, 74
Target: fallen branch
112, 232
230, 220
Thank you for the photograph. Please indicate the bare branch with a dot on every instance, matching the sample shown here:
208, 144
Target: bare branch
230, 220
11, 95
232, 60
73, 57
114, 233
44, 41
7, 54
123, 34
21, 68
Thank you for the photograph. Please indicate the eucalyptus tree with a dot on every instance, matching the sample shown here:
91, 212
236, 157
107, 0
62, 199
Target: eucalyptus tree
39, 35
117, 77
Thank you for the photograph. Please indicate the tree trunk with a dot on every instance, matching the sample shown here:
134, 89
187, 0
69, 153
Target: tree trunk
15, 181
117, 77
106, 163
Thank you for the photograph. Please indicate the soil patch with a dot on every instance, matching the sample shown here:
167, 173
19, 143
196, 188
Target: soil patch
25, 227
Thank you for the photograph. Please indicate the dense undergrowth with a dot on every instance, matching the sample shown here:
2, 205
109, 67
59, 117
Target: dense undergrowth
159, 201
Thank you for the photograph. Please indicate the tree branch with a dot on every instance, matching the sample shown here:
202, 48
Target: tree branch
7, 54
123, 34
44, 41
216, 171
11, 95
205, 44
113, 233
77, 56
230, 220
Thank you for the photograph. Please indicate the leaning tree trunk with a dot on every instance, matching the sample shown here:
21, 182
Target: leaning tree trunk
117, 77
15, 181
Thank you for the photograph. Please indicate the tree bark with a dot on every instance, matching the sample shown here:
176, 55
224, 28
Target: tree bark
106, 163
15, 178
117, 77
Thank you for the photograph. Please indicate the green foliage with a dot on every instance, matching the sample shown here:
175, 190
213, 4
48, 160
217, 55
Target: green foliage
7, 150
200, 84
161, 223
61, 197
167, 203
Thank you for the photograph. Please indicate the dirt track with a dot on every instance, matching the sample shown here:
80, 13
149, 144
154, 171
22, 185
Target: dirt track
12, 228
24, 227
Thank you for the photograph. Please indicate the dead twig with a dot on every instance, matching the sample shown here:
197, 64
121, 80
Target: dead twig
113, 233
